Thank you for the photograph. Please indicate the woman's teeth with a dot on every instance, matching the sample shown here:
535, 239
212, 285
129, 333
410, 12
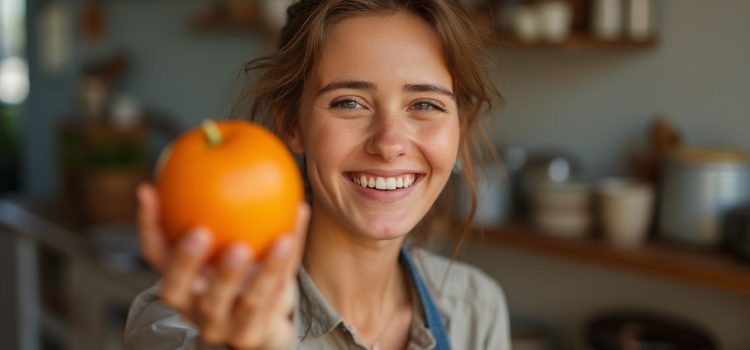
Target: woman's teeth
384, 183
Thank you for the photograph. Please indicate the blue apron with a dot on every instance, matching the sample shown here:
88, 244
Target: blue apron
433, 319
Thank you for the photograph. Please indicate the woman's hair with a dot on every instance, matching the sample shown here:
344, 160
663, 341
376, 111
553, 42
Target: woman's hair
275, 82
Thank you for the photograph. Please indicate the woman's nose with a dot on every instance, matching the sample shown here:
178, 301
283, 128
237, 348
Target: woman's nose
389, 140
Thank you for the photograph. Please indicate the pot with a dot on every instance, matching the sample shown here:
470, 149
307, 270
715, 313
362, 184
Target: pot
698, 188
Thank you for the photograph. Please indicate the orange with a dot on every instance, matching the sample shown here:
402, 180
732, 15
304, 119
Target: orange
234, 178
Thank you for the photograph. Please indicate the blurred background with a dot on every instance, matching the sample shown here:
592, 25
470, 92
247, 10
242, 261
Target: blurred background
619, 217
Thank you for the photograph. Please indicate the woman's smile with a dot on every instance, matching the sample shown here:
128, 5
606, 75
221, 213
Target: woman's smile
385, 186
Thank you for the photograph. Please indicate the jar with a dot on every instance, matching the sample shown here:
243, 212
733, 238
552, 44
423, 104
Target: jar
698, 188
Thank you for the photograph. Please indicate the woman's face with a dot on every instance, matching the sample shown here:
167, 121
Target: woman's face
379, 125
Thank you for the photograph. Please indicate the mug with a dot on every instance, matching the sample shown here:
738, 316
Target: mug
625, 210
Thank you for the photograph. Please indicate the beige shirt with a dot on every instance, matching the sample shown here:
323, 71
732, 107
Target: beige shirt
471, 304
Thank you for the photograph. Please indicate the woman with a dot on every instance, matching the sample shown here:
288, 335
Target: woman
379, 96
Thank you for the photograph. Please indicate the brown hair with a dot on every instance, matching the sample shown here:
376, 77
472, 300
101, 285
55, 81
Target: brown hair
281, 75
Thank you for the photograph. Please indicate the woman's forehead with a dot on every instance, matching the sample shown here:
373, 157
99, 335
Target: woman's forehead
391, 47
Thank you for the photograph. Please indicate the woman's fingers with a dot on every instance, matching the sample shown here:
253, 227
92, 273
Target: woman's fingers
183, 268
257, 305
300, 234
215, 305
236, 299
288, 299
283, 334
261, 314
276, 329
154, 245
266, 325
282, 324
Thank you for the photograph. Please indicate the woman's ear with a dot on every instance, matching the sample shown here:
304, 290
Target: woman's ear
293, 138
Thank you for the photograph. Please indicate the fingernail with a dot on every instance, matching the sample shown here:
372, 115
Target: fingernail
282, 248
197, 242
199, 285
235, 256
141, 192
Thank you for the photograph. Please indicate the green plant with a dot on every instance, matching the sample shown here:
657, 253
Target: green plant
82, 153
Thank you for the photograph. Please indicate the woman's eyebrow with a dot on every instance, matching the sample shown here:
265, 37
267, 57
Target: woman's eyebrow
347, 84
366, 85
428, 88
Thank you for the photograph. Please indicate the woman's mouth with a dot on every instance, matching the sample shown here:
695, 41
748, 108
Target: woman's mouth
384, 183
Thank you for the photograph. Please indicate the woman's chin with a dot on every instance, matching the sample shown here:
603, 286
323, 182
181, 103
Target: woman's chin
384, 233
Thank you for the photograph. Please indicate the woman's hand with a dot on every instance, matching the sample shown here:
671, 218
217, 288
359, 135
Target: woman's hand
240, 301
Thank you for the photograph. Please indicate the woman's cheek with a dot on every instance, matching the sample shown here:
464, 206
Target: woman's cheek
442, 144
331, 142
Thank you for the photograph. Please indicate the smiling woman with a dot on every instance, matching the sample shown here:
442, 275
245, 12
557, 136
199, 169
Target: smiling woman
380, 98
361, 114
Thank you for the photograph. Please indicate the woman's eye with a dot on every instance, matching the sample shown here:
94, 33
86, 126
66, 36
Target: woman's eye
426, 106
348, 104
423, 106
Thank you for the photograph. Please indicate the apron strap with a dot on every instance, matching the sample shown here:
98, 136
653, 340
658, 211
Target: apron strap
433, 319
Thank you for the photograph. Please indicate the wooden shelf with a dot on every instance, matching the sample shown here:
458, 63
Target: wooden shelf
227, 25
576, 41
228, 17
218, 24
697, 267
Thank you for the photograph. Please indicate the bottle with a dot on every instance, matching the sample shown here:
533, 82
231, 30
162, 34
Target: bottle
126, 113
639, 19
555, 19
607, 18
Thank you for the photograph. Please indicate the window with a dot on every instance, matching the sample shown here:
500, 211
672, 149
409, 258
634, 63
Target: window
14, 87
14, 72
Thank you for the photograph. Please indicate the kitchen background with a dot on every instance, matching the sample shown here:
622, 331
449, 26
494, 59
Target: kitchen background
582, 105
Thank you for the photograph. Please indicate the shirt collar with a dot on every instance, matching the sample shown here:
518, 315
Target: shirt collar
318, 317
420, 336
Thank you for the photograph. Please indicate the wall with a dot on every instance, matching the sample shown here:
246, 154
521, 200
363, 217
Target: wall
596, 103
175, 68
50, 97
181, 72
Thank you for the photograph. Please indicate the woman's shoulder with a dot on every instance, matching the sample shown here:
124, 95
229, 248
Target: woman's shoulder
471, 302
452, 279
